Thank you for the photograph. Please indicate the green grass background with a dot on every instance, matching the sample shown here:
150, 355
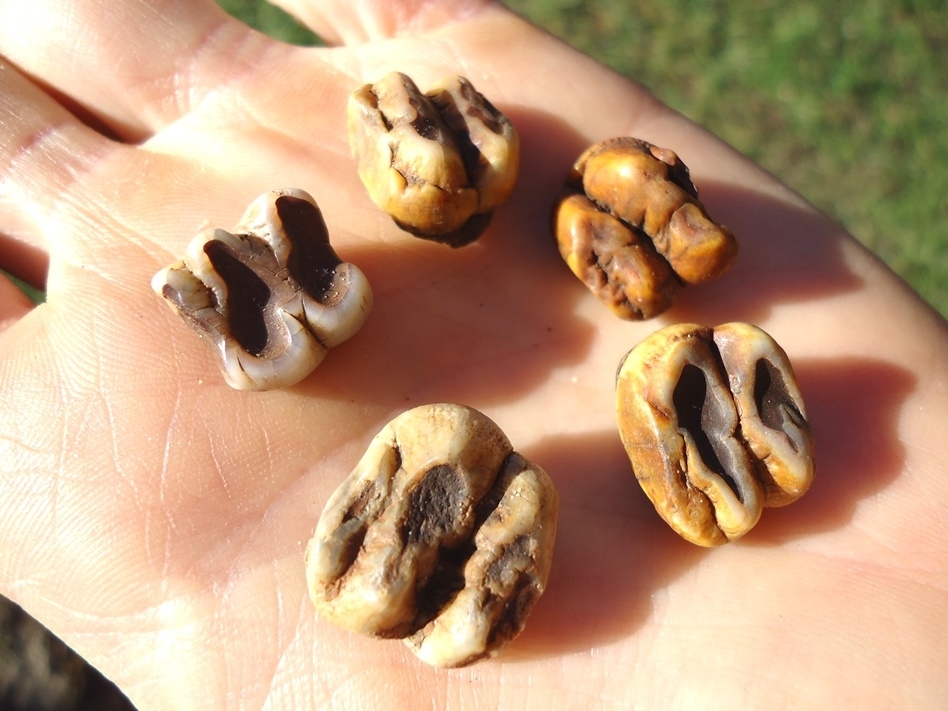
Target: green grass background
846, 101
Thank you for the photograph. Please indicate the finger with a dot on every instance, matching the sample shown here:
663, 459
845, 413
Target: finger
132, 67
44, 150
347, 22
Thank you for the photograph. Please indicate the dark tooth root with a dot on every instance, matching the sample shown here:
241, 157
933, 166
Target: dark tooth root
444, 583
698, 415
247, 298
312, 261
474, 161
774, 403
435, 505
426, 128
350, 551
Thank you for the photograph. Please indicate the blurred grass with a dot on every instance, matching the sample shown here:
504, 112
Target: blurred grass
845, 101
269, 19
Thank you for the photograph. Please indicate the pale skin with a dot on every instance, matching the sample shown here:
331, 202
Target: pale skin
156, 519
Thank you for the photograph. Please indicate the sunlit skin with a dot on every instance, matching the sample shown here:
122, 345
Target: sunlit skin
156, 519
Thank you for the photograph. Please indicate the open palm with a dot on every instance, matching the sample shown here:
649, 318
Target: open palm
156, 519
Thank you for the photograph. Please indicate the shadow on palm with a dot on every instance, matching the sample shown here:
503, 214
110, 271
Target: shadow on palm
488, 324
500, 316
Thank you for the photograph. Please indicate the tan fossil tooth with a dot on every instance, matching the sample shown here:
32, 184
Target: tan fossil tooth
713, 423
438, 163
442, 536
651, 235
272, 296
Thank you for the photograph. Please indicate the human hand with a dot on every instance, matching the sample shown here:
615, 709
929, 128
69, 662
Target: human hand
155, 519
